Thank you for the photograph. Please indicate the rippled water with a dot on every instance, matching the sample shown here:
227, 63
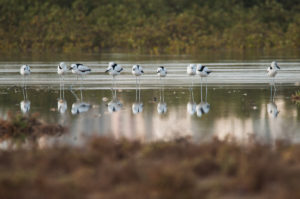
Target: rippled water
236, 101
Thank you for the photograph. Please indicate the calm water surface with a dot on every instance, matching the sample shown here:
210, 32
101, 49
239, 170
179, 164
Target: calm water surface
237, 99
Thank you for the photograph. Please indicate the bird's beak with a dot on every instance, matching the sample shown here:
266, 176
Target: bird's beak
70, 68
106, 71
142, 71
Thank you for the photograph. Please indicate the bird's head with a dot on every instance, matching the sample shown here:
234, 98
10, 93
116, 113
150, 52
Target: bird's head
275, 65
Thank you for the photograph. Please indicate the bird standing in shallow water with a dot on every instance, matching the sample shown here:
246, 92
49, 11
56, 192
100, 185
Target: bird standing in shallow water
113, 69
25, 70
272, 72
161, 71
137, 70
62, 68
25, 104
191, 71
80, 69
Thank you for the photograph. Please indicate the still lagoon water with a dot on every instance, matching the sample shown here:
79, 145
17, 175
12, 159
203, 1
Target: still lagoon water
238, 99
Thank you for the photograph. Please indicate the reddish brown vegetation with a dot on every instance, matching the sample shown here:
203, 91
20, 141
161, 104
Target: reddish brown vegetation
21, 127
110, 169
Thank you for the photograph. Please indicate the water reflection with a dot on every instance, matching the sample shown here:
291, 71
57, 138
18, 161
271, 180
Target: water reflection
191, 105
79, 106
61, 102
114, 105
25, 103
271, 106
162, 105
137, 106
203, 107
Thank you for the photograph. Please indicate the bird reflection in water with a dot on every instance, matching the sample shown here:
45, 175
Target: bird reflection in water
25, 103
191, 105
271, 106
162, 105
114, 105
203, 107
79, 106
61, 102
137, 106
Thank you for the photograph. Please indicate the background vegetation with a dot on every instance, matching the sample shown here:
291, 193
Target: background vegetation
176, 26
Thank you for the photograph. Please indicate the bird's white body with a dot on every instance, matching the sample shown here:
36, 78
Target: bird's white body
62, 106
62, 68
80, 107
272, 109
80, 69
191, 108
162, 108
25, 70
202, 108
114, 69
137, 108
161, 71
137, 70
25, 106
272, 70
191, 69
203, 71
114, 106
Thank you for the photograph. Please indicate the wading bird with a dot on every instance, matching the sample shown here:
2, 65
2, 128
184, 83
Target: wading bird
272, 72
191, 71
25, 70
161, 71
203, 71
137, 70
80, 69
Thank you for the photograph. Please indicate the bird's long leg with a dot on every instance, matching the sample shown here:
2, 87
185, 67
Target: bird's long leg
271, 94
26, 87
274, 85
163, 91
139, 90
201, 89
160, 89
63, 87
136, 88
60, 87
206, 90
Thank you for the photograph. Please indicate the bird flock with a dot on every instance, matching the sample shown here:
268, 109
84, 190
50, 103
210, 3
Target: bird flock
115, 69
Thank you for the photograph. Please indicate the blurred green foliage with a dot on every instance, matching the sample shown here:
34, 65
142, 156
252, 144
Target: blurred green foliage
174, 26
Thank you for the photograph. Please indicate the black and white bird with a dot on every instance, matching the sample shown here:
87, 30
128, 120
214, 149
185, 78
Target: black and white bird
273, 69
80, 69
137, 70
191, 69
114, 69
25, 70
62, 68
161, 71
202, 70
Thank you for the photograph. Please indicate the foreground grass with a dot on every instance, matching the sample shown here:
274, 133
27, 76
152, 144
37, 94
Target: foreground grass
105, 168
